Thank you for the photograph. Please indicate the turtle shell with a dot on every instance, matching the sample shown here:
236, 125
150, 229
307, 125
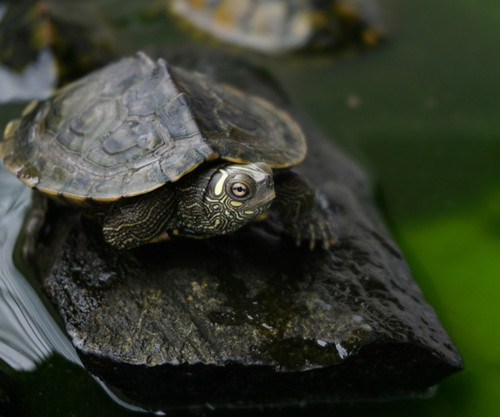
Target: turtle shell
276, 26
137, 124
270, 26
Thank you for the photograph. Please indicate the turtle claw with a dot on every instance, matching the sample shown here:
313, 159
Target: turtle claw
328, 241
312, 237
328, 236
298, 240
314, 233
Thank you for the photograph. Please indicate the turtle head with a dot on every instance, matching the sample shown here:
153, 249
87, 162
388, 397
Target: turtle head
237, 194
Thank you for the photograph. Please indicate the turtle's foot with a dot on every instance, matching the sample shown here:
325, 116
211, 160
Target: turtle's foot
313, 230
305, 213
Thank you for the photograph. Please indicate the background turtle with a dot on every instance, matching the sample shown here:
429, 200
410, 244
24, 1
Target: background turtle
276, 26
153, 151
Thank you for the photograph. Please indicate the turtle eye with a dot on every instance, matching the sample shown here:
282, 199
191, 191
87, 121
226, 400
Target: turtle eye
239, 190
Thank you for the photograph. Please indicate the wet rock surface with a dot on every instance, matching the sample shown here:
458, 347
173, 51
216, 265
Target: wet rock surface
250, 318
247, 319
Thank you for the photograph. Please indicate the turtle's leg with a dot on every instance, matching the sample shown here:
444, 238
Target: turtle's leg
304, 217
139, 220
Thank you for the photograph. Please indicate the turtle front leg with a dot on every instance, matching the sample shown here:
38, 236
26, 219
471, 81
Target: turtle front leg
139, 220
303, 216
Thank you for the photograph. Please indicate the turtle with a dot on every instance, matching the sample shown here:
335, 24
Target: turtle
279, 26
154, 152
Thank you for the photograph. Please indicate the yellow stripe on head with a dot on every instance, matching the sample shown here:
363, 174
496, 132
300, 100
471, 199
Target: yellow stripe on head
220, 184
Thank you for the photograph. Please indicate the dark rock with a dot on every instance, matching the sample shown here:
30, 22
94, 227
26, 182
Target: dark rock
249, 318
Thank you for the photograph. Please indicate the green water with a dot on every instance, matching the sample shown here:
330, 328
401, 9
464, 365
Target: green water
421, 114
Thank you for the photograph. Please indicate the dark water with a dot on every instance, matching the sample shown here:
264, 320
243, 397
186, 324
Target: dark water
420, 114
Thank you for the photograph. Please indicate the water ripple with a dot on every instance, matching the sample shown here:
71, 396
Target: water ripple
34, 82
28, 334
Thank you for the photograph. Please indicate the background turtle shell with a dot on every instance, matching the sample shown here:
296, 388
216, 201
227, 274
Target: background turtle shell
270, 26
276, 26
135, 125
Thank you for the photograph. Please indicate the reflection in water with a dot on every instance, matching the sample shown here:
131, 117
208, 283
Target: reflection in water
28, 333
34, 82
